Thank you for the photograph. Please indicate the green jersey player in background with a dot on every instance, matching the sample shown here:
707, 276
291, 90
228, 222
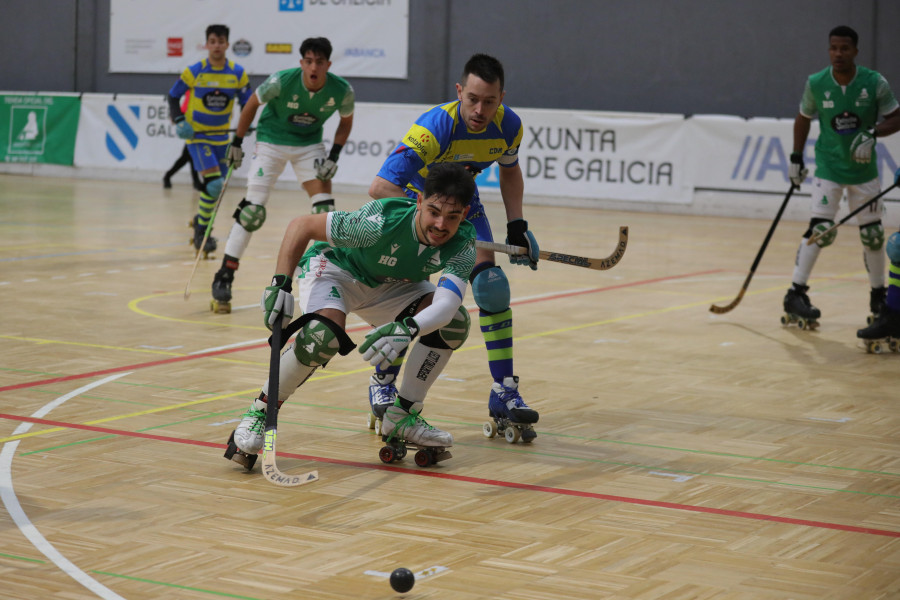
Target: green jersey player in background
297, 103
848, 100
376, 262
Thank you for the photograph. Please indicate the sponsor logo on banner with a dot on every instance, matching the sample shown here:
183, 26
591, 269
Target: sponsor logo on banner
365, 52
242, 48
290, 5
122, 137
272, 48
175, 46
586, 155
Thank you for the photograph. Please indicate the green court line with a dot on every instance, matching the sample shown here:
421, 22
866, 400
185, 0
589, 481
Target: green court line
23, 558
175, 586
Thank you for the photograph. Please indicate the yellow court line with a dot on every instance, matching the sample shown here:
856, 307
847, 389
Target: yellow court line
133, 306
367, 368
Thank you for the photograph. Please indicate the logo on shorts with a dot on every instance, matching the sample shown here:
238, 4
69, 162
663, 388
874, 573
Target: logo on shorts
334, 293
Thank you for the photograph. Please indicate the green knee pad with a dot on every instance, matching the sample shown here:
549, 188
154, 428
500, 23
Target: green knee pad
250, 216
453, 334
319, 340
826, 240
872, 235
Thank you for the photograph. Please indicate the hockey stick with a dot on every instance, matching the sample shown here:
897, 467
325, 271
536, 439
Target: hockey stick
599, 264
269, 468
724, 309
209, 226
812, 239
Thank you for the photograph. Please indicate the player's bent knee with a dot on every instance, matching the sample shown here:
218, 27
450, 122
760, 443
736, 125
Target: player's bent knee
322, 203
213, 187
452, 335
817, 226
250, 216
319, 340
490, 287
872, 235
893, 248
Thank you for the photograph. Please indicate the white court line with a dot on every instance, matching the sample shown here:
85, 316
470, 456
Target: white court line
18, 515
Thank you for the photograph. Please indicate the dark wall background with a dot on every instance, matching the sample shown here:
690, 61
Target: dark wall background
737, 57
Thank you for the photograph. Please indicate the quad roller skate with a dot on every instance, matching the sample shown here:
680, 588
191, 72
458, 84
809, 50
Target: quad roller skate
404, 429
876, 303
221, 290
511, 416
382, 393
199, 231
799, 310
883, 334
246, 440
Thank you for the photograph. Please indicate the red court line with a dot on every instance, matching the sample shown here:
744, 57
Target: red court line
482, 481
176, 359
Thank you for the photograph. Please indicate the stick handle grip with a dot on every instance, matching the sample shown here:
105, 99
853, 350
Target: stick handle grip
504, 248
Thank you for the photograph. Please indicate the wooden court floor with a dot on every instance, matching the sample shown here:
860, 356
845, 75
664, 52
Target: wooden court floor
680, 454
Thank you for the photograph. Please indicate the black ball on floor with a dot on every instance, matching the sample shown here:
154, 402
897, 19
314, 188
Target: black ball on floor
402, 580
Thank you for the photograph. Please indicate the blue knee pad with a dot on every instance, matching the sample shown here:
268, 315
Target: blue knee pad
893, 248
214, 187
491, 290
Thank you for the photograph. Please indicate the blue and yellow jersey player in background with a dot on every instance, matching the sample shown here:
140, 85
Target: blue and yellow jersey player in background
214, 83
476, 130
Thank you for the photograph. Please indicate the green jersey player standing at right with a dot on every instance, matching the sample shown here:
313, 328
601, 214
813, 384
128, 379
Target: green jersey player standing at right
297, 104
848, 100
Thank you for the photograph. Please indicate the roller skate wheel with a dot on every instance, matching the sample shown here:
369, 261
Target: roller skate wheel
489, 429
801, 323
785, 320
512, 435
874, 347
370, 421
528, 435
894, 345
377, 426
399, 452
423, 458
870, 319
386, 454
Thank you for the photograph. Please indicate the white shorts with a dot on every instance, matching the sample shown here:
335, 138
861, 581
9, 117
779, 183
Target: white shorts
326, 285
826, 199
269, 160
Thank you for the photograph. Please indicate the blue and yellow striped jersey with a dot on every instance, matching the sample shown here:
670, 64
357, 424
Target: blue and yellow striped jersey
440, 135
213, 91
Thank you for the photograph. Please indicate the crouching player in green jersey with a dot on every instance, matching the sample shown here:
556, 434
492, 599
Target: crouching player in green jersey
375, 262
848, 100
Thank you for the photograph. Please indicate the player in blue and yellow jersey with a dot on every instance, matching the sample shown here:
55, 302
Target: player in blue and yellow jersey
848, 100
476, 130
214, 82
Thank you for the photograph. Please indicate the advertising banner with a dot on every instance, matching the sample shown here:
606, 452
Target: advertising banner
370, 37
753, 155
38, 128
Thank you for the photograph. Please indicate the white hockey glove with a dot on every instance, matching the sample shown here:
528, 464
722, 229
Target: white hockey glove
183, 129
797, 171
277, 301
384, 344
862, 145
235, 155
325, 168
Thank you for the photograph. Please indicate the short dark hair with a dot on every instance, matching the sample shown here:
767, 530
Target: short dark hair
318, 46
220, 30
844, 31
450, 180
486, 67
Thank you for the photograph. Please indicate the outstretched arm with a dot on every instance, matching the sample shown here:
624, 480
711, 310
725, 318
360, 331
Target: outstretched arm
300, 232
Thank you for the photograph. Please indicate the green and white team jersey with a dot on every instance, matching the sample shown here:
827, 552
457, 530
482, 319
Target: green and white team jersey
294, 116
843, 112
378, 244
